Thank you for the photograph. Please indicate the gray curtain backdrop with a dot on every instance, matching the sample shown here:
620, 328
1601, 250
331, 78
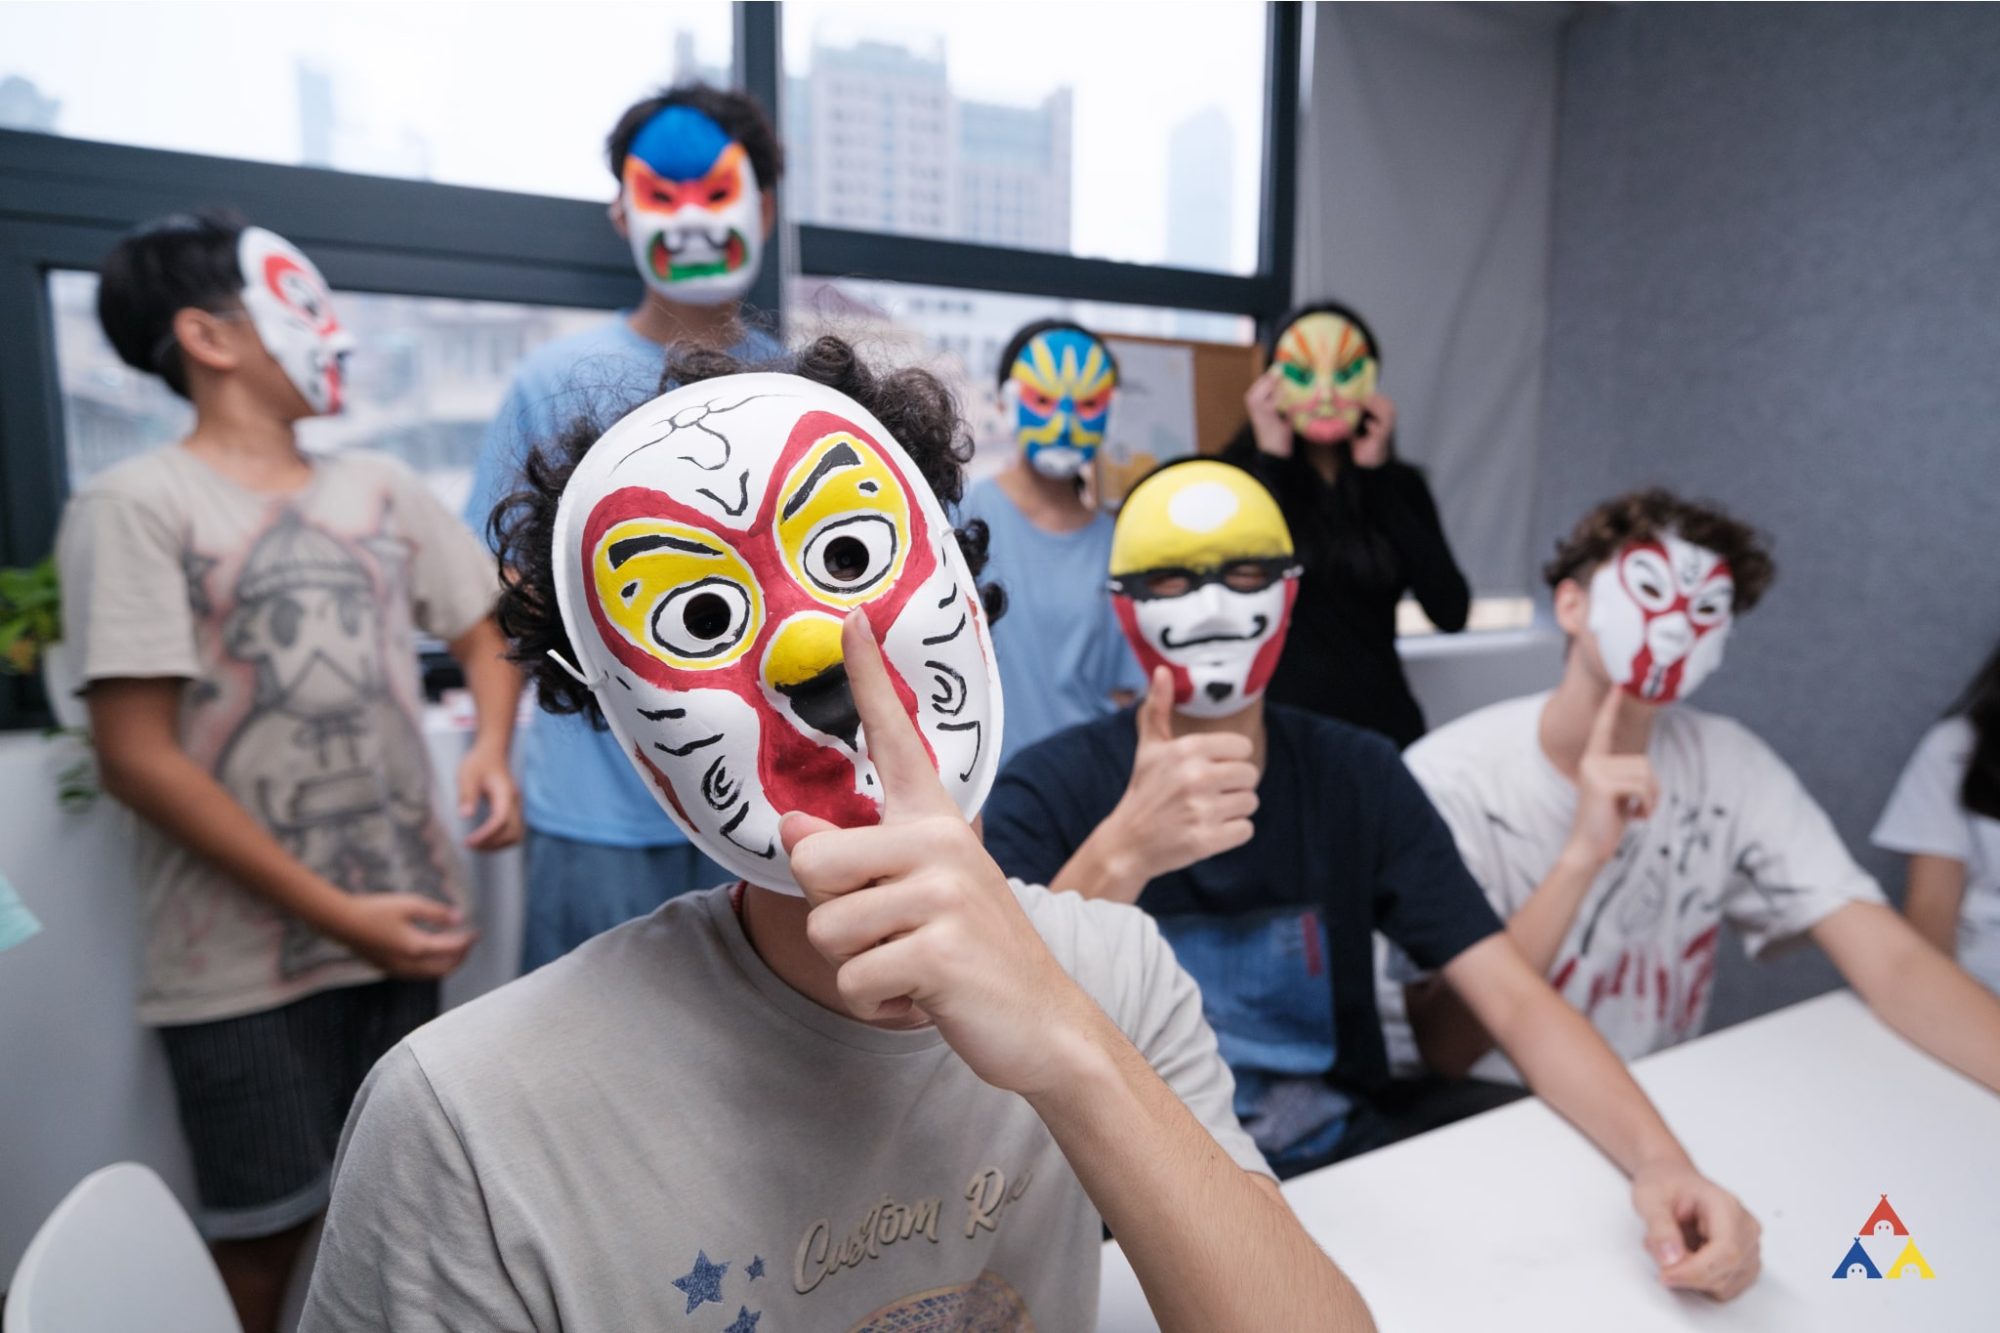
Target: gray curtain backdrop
1775, 278
1424, 195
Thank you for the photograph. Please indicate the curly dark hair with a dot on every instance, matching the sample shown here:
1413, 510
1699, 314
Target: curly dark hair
1639, 516
912, 404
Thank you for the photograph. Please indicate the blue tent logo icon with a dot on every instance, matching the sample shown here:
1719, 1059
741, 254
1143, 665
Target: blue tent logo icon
1857, 1263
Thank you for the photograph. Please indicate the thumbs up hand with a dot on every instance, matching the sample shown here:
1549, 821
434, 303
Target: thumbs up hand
1189, 797
916, 918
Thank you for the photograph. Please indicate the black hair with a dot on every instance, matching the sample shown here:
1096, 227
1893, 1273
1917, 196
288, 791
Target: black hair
1293, 316
1980, 705
740, 115
1644, 515
159, 268
912, 404
1029, 332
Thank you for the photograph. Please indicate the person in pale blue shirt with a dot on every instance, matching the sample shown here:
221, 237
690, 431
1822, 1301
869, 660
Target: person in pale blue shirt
694, 164
1063, 659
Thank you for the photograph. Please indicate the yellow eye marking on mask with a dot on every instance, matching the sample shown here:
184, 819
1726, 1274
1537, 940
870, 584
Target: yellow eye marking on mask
639, 564
842, 479
1199, 515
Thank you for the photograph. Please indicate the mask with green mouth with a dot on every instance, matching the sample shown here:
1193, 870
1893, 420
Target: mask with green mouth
694, 211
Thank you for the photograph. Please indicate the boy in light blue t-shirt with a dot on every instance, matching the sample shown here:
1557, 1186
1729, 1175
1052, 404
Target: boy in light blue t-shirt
1063, 660
694, 164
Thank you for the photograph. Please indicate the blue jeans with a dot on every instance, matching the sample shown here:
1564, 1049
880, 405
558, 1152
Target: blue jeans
580, 889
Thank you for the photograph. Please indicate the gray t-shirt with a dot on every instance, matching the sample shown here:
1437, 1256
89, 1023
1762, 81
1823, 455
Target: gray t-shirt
293, 618
656, 1132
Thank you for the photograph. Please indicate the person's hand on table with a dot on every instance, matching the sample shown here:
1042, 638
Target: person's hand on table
918, 920
1700, 1235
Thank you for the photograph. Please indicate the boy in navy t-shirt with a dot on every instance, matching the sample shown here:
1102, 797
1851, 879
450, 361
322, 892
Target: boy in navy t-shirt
1271, 845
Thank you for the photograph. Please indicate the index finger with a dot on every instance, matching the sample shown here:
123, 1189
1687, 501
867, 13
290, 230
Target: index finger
911, 788
1605, 724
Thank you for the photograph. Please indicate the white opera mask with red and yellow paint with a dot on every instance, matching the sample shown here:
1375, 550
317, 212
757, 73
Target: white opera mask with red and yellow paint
1327, 372
1203, 577
694, 212
707, 548
292, 310
1660, 611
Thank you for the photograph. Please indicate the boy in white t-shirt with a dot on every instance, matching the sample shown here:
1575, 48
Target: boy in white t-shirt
1616, 832
1945, 816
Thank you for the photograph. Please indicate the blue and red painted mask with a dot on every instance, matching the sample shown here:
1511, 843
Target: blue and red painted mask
1059, 386
694, 209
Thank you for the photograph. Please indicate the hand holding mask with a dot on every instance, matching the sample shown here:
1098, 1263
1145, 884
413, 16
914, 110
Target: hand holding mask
707, 549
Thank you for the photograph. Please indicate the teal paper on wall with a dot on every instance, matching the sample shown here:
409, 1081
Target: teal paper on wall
17, 923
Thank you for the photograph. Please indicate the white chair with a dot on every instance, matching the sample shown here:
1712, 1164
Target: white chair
118, 1255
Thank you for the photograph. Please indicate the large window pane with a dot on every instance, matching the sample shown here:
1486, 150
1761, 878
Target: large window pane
426, 377
1107, 130
513, 97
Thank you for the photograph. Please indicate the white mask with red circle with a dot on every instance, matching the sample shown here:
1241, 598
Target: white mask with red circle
292, 310
1660, 611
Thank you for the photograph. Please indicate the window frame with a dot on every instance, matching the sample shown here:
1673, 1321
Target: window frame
64, 202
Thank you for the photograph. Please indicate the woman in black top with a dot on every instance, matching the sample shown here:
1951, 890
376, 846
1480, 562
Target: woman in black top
1364, 523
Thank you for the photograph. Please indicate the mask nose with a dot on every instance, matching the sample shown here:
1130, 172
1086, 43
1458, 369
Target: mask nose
1670, 636
804, 665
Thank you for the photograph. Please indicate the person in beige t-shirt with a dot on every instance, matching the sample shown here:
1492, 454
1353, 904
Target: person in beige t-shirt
244, 618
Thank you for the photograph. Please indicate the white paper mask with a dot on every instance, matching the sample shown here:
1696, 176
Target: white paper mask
706, 550
694, 212
1660, 611
292, 311
1203, 579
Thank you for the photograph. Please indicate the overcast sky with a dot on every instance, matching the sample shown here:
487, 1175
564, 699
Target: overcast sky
519, 96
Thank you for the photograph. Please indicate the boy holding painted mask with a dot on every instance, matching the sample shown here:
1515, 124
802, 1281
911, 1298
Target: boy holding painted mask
243, 616
1271, 844
872, 1085
1617, 828
1062, 659
697, 170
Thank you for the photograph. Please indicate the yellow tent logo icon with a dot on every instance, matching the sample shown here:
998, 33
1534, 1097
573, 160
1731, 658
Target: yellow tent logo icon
1910, 1263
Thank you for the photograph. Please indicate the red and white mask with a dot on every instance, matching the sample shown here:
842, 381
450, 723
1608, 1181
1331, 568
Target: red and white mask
292, 310
707, 548
1203, 578
1660, 611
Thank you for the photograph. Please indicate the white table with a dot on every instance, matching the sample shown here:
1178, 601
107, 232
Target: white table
1511, 1220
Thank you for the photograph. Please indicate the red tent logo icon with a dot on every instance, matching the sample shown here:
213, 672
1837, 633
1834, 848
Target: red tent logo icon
1883, 1222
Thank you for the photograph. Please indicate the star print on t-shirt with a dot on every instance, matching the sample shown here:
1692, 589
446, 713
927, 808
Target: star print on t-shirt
703, 1282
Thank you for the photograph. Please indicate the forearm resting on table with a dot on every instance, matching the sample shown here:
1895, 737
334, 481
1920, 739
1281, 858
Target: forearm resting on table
1561, 1056
1449, 1036
492, 680
144, 768
1915, 989
1214, 1246
1934, 898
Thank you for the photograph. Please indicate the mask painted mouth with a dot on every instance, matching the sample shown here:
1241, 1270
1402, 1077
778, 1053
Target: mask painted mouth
672, 262
1257, 628
825, 704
